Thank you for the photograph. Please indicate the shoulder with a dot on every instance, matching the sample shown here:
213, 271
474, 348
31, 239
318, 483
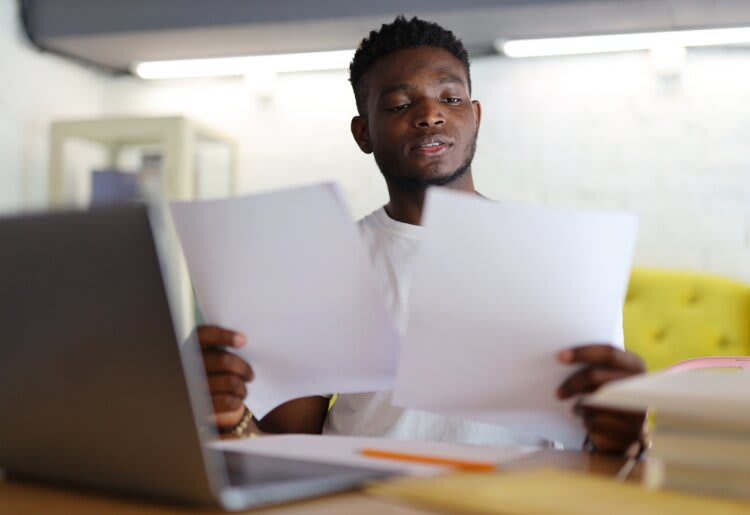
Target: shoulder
372, 227
373, 220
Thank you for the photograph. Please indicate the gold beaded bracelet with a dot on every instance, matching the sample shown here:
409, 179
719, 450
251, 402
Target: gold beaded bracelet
238, 429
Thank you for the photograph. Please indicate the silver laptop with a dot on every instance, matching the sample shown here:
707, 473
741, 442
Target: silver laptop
96, 390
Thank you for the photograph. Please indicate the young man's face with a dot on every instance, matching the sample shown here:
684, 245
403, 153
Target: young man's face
419, 121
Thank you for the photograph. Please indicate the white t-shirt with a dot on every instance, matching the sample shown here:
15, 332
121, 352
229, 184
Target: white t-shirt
392, 247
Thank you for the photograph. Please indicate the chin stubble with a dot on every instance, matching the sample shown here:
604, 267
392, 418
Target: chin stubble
421, 183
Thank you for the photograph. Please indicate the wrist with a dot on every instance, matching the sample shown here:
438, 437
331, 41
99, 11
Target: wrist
635, 449
241, 429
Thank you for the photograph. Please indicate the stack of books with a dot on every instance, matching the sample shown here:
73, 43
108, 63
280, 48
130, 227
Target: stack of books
702, 455
700, 436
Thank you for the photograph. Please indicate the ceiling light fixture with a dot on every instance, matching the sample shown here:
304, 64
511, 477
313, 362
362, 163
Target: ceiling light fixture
621, 42
242, 66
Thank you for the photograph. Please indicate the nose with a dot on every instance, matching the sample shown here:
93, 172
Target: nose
428, 114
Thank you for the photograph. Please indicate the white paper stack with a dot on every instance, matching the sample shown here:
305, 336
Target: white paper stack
701, 434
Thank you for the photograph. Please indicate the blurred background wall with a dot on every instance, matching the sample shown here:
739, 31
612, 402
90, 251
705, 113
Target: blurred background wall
583, 131
599, 131
35, 89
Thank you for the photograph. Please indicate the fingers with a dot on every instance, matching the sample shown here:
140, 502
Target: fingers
589, 379
228, 418
227, 384
213, 336
610, 431
613, 431
224, 402
227, 397
605, 363
222, 362
627, 422
603, 355
610, 444
227, 373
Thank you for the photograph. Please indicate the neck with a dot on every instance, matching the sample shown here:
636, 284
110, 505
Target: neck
406, 204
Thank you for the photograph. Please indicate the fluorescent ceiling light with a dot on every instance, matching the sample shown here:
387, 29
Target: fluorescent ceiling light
237, 66
621, 42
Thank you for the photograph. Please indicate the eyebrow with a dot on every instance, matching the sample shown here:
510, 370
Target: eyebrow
450, 79
447, 79
397, 87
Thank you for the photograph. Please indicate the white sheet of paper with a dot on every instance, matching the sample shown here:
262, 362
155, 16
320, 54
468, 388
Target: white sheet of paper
498, 290
288, 269
345, 450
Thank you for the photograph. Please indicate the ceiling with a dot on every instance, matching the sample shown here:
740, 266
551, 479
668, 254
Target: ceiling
116, 34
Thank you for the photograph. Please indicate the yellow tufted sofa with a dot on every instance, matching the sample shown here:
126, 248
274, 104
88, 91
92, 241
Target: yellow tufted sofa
670, 316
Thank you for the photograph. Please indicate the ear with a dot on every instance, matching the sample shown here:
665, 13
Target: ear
477, 107
361, 133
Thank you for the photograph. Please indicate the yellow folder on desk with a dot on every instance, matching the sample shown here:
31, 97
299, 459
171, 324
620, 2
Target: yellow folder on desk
549, 492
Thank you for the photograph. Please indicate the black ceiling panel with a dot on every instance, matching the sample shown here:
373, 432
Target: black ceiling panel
117, 34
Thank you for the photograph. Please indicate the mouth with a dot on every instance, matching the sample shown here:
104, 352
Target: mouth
431, 146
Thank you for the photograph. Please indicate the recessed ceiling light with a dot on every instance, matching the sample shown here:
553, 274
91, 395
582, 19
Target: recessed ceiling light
242, 66
621, 42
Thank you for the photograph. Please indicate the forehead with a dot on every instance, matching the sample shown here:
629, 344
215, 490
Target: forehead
413, 65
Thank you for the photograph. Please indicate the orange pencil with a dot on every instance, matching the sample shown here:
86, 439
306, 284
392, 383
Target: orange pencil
474, 466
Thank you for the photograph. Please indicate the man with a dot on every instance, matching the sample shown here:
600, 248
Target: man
412, 85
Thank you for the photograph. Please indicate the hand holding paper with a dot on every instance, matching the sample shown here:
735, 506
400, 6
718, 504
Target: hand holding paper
227, 373
288, 270
611, 431
498, 291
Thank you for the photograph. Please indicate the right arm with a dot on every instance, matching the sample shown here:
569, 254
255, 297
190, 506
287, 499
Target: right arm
303, 415
228, 376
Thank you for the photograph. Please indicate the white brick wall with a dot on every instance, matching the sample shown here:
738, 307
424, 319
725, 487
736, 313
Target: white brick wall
605, 132
590, 131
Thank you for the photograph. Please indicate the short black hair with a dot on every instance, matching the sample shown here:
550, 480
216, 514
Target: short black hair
398, 35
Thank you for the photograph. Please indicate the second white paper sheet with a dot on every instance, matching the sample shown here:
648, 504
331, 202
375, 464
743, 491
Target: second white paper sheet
289, 270
346, 450
498, 291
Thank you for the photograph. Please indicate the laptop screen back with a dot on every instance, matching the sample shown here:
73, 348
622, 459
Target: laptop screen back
91, 385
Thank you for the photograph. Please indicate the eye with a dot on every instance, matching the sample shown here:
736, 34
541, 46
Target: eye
452, 100
397, 108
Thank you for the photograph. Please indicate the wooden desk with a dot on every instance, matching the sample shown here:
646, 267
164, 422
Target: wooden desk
18, 498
